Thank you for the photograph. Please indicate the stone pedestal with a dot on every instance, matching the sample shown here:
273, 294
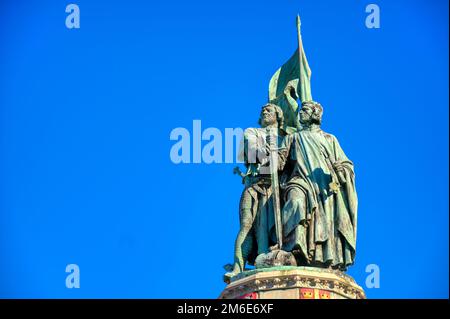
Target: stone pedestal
289, 282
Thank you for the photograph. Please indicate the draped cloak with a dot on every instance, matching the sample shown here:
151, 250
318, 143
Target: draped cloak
321, 225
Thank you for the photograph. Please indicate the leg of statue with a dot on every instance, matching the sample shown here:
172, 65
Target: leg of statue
243, 244
261, 221
294, 210
273, 256
295, 224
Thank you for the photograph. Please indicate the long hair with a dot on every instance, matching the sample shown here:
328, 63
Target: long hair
317, 111
278, 112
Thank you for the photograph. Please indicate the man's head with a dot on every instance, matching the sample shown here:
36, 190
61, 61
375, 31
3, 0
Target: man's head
311, 113
271, 114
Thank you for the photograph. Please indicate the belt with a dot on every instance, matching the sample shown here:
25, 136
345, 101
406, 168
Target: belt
259, 180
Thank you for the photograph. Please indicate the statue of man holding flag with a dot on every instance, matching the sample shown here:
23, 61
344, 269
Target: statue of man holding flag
311, 190
319, 198
320, 203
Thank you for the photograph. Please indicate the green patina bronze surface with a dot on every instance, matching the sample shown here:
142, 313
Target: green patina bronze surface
290, 82
291, 156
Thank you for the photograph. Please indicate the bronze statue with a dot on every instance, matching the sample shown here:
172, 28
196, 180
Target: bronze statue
320, 203
299, 205
256, 209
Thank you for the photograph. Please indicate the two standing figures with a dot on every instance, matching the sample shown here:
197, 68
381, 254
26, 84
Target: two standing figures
318, 201
299, 203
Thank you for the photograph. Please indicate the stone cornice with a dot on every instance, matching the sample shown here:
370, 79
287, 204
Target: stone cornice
293, 277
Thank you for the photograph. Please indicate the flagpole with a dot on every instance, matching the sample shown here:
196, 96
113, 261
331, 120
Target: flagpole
300, 48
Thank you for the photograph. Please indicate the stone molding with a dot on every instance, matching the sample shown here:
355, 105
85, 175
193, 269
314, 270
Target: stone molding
288, 278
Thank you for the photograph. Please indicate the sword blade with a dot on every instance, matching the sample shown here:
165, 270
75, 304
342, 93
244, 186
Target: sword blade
275, 193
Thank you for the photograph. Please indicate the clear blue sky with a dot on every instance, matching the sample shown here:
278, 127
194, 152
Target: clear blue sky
85, 119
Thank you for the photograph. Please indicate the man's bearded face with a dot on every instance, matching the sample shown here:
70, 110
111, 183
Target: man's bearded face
268, 116
306, 113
